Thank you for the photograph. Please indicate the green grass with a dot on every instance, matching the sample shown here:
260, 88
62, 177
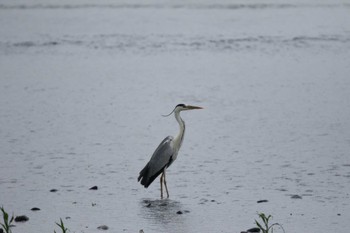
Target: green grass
265, 226
7, 222
61, 225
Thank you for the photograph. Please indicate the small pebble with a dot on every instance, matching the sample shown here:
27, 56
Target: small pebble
262, 201
21, 218
35, 209
296, 197
103, 227
93, 188
53, 190
179, 212
254, 229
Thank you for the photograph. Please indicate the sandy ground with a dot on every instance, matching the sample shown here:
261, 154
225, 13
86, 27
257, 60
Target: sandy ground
83, 86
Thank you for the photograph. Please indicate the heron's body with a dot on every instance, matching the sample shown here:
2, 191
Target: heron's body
149, 173
165, 154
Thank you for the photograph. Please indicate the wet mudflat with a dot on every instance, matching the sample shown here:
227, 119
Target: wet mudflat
83, 86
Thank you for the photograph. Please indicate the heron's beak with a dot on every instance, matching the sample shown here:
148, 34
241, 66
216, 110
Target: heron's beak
190, 107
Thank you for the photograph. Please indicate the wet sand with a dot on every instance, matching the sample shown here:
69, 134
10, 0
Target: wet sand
83, 86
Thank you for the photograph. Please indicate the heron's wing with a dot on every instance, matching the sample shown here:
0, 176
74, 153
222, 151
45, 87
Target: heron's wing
161, 158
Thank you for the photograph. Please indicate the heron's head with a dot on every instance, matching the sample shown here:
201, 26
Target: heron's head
183, 107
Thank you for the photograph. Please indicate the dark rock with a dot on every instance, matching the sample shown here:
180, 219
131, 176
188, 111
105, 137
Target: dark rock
254, 229
53, 190
103, 227
21, 218
282, 190
179, 212
296, 197
1, 230
93, 188
148, 205
262, 201
35, 209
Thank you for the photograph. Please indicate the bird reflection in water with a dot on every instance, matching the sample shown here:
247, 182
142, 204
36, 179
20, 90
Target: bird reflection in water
164, 215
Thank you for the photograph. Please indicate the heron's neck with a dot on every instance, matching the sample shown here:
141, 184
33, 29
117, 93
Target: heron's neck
179, 138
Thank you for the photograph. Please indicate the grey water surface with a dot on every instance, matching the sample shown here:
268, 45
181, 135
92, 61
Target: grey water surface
83, 86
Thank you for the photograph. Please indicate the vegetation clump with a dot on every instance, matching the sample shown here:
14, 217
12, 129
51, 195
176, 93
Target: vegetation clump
7, 222
61, 225
265, 227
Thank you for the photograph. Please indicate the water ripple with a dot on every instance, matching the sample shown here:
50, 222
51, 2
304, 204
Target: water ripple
223, 6
123, 42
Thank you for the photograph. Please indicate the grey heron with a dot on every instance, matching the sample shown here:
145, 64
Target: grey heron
165, 154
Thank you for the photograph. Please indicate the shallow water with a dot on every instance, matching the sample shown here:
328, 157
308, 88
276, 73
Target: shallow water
83, 87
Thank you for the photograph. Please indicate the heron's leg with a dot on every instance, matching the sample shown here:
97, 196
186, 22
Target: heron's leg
161, 186
166, 188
